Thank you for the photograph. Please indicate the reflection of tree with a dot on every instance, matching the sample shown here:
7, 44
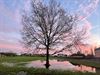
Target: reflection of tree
84, 68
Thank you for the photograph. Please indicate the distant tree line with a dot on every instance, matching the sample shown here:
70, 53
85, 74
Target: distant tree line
7, 54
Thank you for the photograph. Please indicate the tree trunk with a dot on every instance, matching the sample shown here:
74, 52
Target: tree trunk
47, 59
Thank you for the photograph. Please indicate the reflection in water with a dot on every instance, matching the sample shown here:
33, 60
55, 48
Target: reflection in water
62, 65
83, 68
8, 64
37, 63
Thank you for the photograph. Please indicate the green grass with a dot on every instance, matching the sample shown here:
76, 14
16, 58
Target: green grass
20, 58
32, 58
86, 62
36, 71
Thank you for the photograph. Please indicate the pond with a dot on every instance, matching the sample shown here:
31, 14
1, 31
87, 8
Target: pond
61, 65
8, 64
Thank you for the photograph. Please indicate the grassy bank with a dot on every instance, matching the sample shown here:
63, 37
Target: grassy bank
5, 70
20, 58
86, 62
35, 71
15, 59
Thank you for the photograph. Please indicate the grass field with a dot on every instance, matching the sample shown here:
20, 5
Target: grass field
34, 71
86, 62
20, 58
5, 70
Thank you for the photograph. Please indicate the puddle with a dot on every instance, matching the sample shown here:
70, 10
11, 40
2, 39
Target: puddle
54, 64
61, 65
8, 64
83, 68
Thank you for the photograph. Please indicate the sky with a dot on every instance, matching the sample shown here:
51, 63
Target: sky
10, 17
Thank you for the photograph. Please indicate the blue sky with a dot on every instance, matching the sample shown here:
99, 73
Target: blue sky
10, 11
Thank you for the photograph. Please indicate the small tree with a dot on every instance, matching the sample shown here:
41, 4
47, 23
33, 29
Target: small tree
46, 25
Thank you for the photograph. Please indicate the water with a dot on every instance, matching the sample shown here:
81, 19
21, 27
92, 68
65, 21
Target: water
61, 65
8, 64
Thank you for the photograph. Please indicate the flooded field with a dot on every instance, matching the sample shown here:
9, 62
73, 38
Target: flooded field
54, 64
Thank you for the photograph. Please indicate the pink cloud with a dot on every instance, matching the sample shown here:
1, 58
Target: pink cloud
87, 49
11, 46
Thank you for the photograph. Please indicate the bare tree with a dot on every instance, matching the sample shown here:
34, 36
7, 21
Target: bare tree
46, 25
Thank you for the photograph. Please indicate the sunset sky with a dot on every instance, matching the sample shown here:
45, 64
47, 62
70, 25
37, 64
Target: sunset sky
10, 26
